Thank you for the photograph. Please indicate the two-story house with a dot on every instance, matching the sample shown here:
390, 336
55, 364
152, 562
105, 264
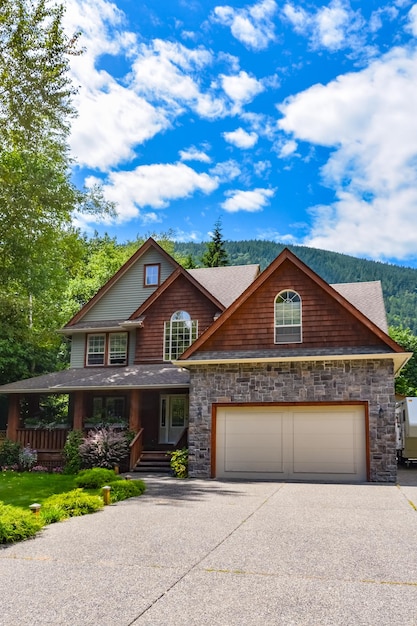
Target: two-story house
272, 375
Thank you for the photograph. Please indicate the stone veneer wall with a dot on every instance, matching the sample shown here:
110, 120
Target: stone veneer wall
368, 380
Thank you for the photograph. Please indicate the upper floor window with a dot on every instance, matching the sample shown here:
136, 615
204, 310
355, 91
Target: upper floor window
288, 317
179, 333
107, 349
151, 276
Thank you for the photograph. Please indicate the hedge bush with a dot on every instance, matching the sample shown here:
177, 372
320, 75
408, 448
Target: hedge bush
95, 478
123, 489
17, 524
74, 503
179, 462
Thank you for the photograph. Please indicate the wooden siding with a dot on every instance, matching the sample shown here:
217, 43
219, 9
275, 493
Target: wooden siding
78, 351
325, 322
181, 295
128, 293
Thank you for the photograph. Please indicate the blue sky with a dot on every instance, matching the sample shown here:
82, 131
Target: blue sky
292, 121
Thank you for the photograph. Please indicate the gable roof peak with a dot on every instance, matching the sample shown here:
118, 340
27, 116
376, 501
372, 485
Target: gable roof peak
145, 247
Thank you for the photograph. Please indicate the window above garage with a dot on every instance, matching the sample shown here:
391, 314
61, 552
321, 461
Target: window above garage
288, 326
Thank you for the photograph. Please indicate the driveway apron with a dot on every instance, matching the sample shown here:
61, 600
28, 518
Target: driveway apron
199, 552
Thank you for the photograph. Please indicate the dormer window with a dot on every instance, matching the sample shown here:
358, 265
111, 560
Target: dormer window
151, 275
179, 333
288, 317
106, 349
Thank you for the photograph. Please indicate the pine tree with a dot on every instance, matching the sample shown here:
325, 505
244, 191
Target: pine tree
215, 254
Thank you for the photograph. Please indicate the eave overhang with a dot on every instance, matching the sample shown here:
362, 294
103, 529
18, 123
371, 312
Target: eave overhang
399, 358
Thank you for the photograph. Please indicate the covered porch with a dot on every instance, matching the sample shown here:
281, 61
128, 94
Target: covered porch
149, 401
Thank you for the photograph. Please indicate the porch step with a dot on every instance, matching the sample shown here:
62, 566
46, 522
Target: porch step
154, 461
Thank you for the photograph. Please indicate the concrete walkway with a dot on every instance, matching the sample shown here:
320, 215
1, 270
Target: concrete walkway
191, 553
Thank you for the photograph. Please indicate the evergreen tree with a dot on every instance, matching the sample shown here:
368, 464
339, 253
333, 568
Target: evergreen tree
216, 254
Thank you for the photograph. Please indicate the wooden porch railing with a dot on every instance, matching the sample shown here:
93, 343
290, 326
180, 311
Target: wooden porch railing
45, 440
136, 447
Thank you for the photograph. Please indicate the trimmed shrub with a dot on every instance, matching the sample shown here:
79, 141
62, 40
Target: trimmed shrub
104, 447
74, 503
95, 478
179, 462
123, 489
72, 457
52, 514
17, 524
9, 453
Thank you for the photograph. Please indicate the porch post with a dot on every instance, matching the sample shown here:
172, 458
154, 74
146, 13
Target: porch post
135, 422
13, 418
78, 410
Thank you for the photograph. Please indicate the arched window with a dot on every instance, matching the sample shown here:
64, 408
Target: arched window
179, 334
288, 317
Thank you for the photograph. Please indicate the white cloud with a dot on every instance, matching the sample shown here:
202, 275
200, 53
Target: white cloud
412, 20
110, 123
333, 27
253, 26
368, 121
287, 148
250, 201
194, 154
154, 186
241, 88
241, 139
225, 171
169, 74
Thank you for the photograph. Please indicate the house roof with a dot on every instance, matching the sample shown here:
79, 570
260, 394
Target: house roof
192, 355
101, 378
180, 271
368, 298
226, 283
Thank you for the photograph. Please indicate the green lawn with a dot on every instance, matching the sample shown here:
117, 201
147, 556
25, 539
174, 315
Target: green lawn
23, 489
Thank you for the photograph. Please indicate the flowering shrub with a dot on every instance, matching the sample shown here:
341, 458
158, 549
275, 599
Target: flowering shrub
104, 447
27, 458
57, 470
39, 468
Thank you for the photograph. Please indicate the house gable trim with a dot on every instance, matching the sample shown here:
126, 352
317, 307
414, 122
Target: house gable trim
286, 254
150, 243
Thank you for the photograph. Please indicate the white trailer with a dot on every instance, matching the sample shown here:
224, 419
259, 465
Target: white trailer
406, 430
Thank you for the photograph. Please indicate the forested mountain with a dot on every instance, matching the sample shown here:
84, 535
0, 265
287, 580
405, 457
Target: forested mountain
399, 284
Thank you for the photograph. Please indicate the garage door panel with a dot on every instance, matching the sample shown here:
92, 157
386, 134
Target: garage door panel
303, 443
244, 434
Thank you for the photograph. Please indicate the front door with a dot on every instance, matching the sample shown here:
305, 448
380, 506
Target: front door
173, 417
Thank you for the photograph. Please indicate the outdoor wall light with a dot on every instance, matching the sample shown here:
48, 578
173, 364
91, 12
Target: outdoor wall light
199, 412
381, 412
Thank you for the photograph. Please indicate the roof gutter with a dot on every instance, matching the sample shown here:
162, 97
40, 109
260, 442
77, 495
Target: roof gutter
400, 359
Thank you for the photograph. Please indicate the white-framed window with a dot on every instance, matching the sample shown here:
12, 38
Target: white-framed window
179, 333
151, 275
106, 349
288, 325
117, 348
96, 348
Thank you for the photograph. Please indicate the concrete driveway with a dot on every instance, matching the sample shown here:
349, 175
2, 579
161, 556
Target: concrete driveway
207, 552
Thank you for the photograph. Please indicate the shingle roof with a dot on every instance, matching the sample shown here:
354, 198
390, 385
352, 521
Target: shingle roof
226, 283
368, 298
132, 376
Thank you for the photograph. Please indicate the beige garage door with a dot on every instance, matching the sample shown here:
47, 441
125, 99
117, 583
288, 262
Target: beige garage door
300, 443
